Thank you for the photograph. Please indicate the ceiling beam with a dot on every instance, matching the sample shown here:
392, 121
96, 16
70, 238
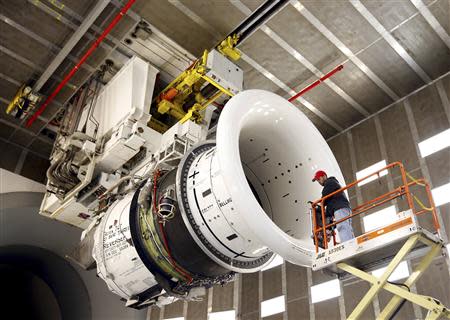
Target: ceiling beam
343, 48
71, 25
28, 63
432, 21
49, 45
390, 40
290, 91
197, 19
73, 40
60, 18
300, 58
435, 81
40, 155
19, 128
194, 17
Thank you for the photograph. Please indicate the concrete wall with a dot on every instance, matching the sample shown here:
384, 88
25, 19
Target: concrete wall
34, 239
20, 160
391, 135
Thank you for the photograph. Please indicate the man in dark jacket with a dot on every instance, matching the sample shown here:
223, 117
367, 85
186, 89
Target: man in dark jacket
337, 206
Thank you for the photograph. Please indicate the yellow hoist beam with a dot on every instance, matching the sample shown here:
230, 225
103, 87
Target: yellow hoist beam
174, 96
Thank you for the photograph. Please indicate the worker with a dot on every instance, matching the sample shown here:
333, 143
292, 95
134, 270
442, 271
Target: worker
337, 206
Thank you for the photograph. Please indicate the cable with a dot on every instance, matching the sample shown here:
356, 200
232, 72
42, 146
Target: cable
403, 300
161, 227
414, 179
420, 203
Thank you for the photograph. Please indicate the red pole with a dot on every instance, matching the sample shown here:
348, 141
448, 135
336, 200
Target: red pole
316, 83
94, 46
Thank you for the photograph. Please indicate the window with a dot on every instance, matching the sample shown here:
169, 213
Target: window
380, 218
274, 263
435, 143
401, 272
222, 315
272, 306
179, 318
441, 195
367, 171
324, 291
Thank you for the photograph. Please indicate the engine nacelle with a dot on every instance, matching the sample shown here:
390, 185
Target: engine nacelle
228, 207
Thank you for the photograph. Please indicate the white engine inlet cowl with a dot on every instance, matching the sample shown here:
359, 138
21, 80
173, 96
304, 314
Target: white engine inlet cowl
247, 195
118, 262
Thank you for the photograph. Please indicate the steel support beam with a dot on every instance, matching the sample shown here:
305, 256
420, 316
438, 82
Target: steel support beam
290, 91
300, 58
432, 21
343, 48
73, 40
391, 105
51, 46
390, 40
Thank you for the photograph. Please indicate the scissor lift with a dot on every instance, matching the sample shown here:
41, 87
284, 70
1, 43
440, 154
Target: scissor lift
390, 244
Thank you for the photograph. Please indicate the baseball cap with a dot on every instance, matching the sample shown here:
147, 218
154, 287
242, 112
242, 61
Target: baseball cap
319, 174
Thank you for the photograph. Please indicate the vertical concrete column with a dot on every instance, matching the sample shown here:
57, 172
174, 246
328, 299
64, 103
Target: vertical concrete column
260, 292
284, 290
185, 309
161, 312
423, 165
21, 161
210, 299
351, 148
312, 313
444, 98
237, 289
341, 302
383, 151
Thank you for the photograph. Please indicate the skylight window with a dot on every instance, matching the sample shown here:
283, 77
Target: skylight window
380, 218
272, 306
325, 291
367, 171
274, 263
400, 272
222, 315
435, 143
441, 195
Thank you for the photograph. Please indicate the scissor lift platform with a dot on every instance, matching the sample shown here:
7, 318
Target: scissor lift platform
388, 245
376, 248
400, 240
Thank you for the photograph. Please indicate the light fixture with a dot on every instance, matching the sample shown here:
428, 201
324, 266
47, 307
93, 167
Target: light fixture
380, 218
441, 195
222, 315
272, 306
435, 143
325, 291
371, 169
400, 272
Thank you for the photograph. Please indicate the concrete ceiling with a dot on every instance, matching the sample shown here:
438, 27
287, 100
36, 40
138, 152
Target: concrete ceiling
388, 48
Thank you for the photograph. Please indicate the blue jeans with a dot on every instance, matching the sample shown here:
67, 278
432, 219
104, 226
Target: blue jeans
344, 228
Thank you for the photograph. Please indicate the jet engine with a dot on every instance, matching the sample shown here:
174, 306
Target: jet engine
190, 208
